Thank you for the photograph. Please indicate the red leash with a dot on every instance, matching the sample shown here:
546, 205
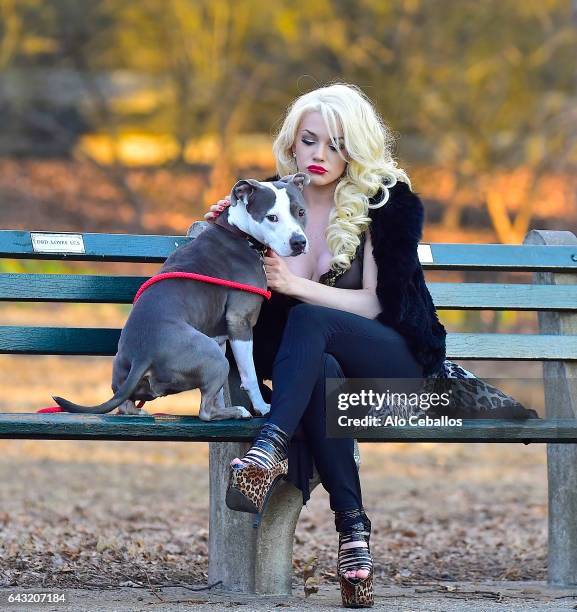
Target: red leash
205, 279
190, 275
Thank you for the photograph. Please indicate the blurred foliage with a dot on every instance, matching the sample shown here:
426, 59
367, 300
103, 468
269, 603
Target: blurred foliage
38, 266
471, 86
467, 76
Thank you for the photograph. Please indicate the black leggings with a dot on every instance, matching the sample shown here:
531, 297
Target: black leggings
319, 343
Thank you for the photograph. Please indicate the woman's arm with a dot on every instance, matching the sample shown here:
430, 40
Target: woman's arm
363, 302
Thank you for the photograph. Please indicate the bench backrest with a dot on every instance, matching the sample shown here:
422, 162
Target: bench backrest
149, 249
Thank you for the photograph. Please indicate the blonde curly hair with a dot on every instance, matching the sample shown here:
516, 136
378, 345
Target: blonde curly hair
370, 164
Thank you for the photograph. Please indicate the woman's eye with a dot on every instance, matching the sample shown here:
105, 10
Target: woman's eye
331, 146
272, 218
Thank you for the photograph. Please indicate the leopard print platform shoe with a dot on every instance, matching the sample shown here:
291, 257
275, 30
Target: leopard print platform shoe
250, 487
357, 592
252, 482
355, 554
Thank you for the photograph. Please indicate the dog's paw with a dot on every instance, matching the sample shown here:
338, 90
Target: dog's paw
129, 407
243, 413
262, 409
229, 412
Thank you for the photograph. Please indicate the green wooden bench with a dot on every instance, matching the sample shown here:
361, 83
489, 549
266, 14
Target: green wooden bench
260, 560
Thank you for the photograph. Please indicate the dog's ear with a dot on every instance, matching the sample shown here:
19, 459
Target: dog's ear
243, 191
196, 228
300, 179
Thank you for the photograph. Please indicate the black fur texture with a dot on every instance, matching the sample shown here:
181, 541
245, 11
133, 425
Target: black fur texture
396, 230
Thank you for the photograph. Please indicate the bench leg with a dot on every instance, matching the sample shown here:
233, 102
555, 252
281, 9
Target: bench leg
561, 464
560, 385
560, 381
246, 559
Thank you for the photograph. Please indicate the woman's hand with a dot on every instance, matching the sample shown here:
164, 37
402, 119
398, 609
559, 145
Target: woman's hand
215, 210
279, 277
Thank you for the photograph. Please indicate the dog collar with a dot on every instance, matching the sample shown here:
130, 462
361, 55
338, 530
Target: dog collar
259, 247
254, 244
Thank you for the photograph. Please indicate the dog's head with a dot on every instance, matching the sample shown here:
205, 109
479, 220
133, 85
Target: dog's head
273, 213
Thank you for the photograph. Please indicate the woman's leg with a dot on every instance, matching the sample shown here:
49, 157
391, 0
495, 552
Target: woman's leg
364, 348
333, 457
338, 471
343, 345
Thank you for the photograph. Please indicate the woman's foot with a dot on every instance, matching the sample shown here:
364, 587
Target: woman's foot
355, 554
269, 448
355, 559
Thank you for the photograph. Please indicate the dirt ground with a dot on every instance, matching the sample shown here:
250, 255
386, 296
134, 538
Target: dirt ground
488, 596
109, 515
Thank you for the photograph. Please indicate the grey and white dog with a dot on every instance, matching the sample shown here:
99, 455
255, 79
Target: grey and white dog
175, 337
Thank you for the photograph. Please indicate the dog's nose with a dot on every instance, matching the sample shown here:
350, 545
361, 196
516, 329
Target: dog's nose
298, 243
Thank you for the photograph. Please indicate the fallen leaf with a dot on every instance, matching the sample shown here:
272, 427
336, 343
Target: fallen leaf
311, 586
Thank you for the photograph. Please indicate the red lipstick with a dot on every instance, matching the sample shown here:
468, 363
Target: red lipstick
316, 169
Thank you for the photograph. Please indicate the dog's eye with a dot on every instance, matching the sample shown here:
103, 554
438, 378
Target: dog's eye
272, 218
302, 212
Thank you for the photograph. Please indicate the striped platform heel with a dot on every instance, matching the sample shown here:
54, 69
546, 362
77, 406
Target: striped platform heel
354, 529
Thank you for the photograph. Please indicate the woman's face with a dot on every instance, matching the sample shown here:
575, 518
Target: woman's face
316, 152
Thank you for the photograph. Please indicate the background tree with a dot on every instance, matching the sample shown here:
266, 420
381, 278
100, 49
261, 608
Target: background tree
482, 91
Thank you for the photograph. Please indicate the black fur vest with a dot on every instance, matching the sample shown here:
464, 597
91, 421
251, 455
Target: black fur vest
396, 230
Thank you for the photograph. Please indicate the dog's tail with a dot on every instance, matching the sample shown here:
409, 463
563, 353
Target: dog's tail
125, 390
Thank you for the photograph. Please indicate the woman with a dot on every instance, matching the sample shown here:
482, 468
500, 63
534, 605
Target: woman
356, 305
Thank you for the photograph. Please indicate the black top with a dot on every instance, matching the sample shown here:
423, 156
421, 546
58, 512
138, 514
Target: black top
406, 304
352, 278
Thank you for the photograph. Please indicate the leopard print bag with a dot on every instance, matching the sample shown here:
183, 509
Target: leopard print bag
472, 397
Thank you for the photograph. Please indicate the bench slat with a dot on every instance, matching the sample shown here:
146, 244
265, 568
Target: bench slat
98, 247
523, 347
154, 248
22, 340
503, 257
181, 428
81, 288
496, 296
101, 341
